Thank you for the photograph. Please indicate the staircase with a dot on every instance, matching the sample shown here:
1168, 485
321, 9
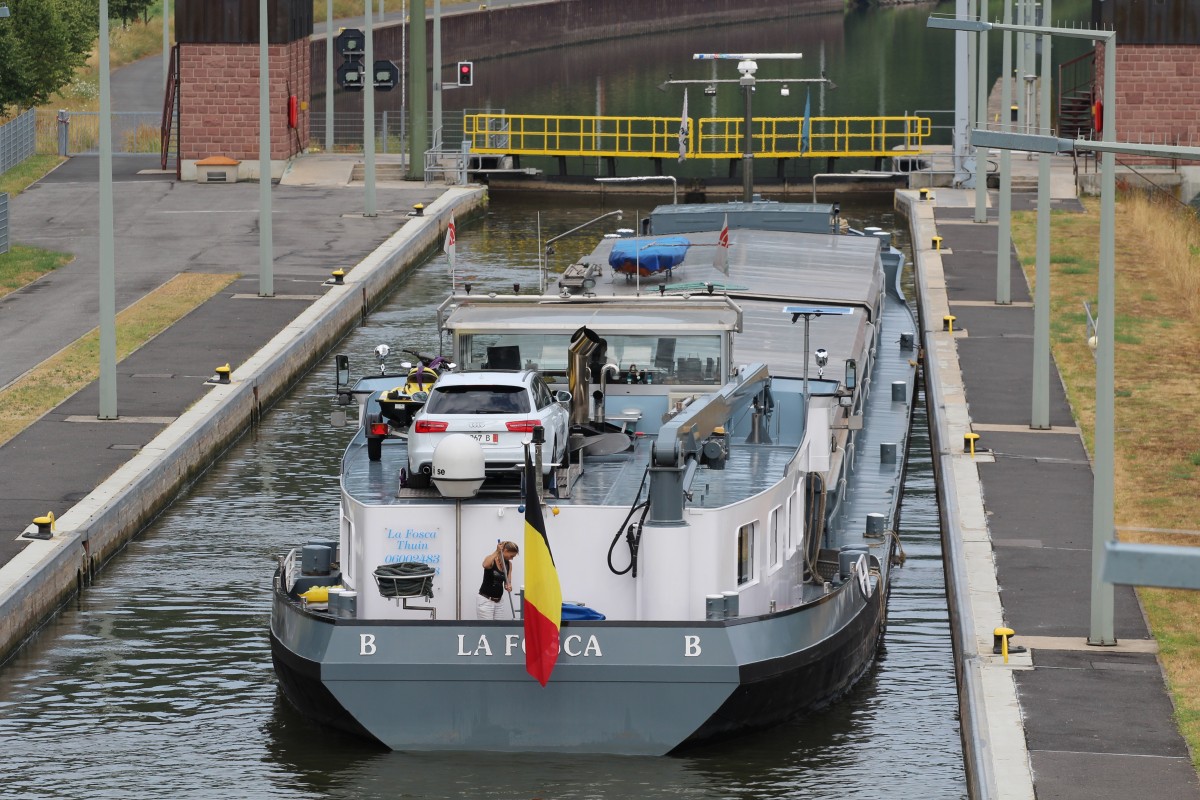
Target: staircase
385, 171
1076, 84
169, 132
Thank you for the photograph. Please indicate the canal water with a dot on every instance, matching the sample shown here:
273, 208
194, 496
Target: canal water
157, 681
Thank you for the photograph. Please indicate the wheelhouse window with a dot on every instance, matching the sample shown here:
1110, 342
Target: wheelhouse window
745, 554
654, 358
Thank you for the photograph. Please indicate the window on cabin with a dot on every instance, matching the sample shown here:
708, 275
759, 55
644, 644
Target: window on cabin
745, 554
775, 554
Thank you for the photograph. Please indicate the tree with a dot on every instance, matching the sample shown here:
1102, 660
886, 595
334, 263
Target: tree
42, 43
127, 10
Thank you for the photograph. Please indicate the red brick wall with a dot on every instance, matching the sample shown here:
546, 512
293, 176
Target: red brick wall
1158, 93
218, 99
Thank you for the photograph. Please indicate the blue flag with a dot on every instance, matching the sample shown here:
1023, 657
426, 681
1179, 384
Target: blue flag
806, 126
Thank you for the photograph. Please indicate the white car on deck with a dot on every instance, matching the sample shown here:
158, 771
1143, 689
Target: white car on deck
498, 409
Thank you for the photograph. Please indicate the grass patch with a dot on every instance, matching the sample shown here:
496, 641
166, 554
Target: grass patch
23, 265
32, 169
1157, 426
26, 399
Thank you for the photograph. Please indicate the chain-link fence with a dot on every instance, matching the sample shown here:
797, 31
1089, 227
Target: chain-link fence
17, 140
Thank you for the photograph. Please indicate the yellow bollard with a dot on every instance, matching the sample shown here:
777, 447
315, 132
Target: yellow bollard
937, 243
969, 440
924, 194
222, 373
948, 322
339, 276
1000, 639
418, 209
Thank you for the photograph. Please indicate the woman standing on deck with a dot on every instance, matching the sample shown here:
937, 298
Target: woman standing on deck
497, 579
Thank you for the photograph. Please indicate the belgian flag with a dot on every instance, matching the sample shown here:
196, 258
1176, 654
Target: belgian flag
542, 608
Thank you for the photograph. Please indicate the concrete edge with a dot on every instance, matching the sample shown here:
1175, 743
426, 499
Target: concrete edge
992, 730
47, 573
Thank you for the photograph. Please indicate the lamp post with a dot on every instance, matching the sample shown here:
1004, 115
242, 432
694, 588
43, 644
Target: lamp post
1103, 526
266, 286
747, 65
328, 76
809, 312
369, 117
108, 281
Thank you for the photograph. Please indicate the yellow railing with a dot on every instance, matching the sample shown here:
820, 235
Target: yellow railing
710, 137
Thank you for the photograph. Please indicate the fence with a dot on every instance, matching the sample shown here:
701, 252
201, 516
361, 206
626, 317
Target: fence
17, 140
132, 132
3, 222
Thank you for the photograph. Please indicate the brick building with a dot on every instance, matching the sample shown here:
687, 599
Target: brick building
1158, 63
218, 94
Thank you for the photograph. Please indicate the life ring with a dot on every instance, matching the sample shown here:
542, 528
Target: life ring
1098, 116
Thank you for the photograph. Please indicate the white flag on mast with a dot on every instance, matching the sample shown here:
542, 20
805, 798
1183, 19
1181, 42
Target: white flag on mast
683, 129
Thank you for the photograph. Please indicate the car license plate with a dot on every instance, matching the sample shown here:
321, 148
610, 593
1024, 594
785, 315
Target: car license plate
486, 438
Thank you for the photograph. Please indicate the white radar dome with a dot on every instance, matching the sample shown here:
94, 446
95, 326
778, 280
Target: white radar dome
458, 466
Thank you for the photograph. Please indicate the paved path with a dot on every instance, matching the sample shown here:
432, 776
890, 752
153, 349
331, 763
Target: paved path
1098, 721
163, 227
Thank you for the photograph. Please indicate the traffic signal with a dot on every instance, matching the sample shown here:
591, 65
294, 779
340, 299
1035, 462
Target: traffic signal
350, 76
465, 73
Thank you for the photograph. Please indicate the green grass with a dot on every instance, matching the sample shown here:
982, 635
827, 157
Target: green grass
23, 265
17, 179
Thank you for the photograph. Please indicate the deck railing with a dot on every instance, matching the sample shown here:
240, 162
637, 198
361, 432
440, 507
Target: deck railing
710, 137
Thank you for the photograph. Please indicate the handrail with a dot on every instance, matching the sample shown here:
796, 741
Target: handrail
708, 137
168, 116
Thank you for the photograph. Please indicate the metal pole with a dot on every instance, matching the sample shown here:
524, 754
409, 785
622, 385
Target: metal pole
329, 76
166, 41
108, 280
1022, 111
1040, 410
981, 105
266, 286
747, 142
381, 10
807, 317
1103, 526
419, 108
1004, 228
369, 118
437, 74
962, 118
972, 65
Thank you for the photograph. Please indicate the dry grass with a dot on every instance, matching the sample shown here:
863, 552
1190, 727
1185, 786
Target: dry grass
26, 399
1157, 469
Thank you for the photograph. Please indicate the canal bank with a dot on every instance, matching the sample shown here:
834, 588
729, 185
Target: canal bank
1063, 719
106, 480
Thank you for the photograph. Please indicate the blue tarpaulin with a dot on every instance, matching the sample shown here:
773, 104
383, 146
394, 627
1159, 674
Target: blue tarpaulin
648, 257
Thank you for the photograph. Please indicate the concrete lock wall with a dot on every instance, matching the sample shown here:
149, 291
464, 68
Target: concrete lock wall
102, 523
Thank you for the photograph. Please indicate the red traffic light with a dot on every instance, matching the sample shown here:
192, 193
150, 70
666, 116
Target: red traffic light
465, 76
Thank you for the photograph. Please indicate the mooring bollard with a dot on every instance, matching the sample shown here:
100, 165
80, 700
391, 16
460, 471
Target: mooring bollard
337, 277
221, 374
924, 194
948, 322
937, 243
969, 440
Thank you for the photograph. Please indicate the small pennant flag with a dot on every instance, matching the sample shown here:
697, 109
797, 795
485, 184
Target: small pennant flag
451, 238
722, 260
683, 130
542, 608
